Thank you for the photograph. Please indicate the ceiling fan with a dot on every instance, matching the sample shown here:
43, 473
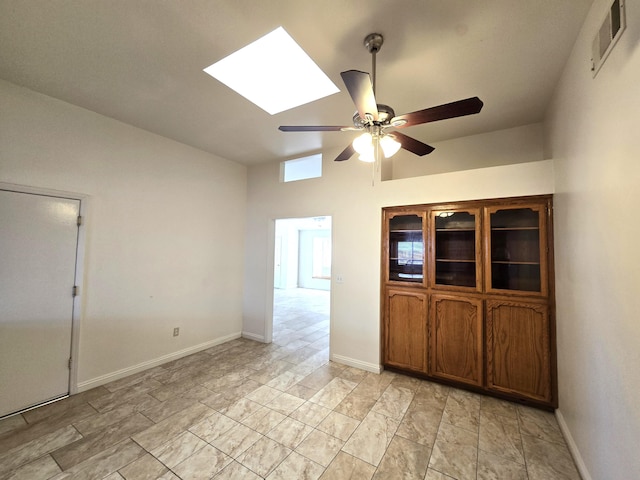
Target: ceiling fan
374, 119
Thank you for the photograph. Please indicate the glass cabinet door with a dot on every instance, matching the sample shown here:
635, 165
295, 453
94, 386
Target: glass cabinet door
516, 252
455, 252
406, 248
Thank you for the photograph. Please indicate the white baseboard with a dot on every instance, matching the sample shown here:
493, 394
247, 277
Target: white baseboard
352, 362
253, 336
110, 377
573, 448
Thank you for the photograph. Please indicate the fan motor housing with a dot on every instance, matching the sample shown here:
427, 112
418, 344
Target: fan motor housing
385, 114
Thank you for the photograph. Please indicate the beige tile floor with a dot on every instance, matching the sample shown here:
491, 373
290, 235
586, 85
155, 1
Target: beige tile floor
246, 410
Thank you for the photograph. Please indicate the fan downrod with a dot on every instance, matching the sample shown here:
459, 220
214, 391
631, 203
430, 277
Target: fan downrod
373, 42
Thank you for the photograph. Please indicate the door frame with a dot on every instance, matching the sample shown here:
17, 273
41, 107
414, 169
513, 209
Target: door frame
78, 300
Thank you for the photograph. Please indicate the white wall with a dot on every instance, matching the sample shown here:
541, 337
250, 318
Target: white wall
287, 231
346, 193
307, 255
594, 139
503, 147
165, 229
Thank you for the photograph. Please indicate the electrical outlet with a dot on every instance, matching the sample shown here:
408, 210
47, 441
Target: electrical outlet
176, 331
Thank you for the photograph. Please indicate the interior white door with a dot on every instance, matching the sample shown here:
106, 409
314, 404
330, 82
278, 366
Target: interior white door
38, 245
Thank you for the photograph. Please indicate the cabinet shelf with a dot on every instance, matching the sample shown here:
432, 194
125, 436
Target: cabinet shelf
408, 230
512, 229
500, 262
409, 275
455, 229
453, 260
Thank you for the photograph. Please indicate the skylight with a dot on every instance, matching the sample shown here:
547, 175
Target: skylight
274, 73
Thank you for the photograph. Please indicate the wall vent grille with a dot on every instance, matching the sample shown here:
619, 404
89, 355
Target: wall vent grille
610, 31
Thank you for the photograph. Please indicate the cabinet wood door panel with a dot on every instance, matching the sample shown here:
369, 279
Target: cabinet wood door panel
456, 338
518, 349
406, 330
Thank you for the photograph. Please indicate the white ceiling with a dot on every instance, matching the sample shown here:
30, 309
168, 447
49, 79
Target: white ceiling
141, 61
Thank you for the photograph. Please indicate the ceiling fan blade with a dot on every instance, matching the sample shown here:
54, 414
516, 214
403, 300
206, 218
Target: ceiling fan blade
361, 90
346, 154
413, 145
311, 128
460, 108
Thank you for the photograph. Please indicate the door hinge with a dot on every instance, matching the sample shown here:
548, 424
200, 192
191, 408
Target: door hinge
69, 365
79, 220
75, 291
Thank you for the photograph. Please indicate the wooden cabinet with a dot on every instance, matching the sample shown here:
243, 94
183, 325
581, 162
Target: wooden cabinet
405, 331
456, 338
468, 295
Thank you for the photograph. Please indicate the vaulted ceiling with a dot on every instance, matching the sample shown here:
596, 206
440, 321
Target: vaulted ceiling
141, 61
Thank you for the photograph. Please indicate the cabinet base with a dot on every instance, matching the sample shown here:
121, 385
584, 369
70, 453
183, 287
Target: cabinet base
520, 400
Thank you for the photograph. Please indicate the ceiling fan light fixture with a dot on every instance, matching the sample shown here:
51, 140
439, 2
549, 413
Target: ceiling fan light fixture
363, 143
367, 157
389, 145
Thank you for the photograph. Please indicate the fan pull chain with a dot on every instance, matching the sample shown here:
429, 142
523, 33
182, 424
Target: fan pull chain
376, 164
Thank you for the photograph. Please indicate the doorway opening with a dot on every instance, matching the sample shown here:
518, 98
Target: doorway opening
302, 285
